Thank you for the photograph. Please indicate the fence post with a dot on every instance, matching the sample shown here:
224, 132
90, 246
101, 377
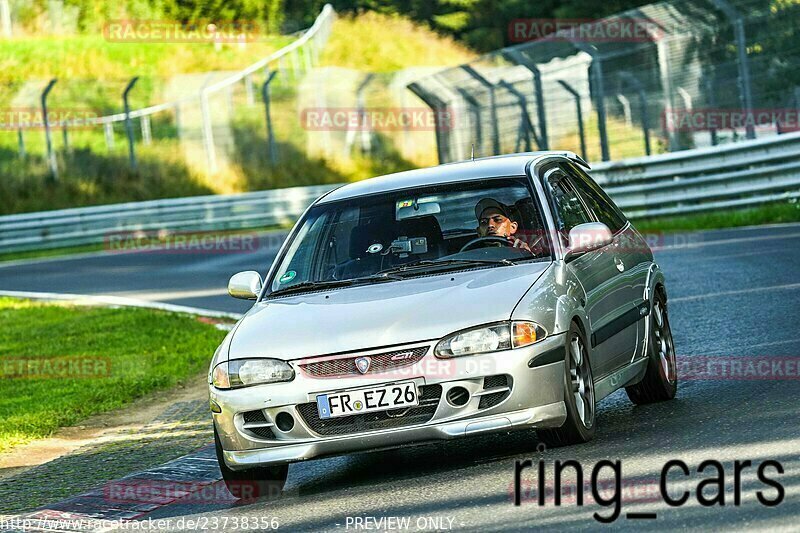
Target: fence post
436, 104
144, 122
519, 59
475, 108
745, 89
51, 155
366, 137
597, 90
248, 89
639, 88
525, 122
273, 153
21, 143
128, 124
208, 133
711, 100
575, 94
492, 103
109, 133
5, 18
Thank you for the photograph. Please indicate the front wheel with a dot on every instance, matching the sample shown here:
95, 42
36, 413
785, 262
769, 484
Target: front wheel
253, 483
660, 381
578, 396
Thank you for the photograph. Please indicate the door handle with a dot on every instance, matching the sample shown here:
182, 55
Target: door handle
619, 263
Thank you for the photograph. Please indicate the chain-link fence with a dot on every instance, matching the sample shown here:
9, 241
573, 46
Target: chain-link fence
215, 120
664, 77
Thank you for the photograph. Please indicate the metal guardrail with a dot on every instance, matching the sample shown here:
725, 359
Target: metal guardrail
736, 175
94, 225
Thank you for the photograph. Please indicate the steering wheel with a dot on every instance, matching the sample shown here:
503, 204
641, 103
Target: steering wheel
481, 242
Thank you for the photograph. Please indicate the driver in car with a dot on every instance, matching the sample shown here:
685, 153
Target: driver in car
494, 220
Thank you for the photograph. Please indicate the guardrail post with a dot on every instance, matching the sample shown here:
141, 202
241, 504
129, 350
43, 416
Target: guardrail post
492, 106
577, 96
745, 88
272, 151
51, 155
21, 143
208, 133
128, 125
144, 122
520, 59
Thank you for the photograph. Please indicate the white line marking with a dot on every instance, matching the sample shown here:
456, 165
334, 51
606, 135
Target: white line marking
170, 295
693, 245
787, 287
86, 299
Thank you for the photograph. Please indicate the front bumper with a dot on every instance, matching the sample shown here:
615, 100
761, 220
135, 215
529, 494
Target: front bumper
535, 399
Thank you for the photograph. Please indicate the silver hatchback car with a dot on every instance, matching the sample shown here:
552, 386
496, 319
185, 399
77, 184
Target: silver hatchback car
490, 295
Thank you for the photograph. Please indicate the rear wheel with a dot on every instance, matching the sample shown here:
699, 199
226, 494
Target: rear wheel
660, 381
253, 483
578, 396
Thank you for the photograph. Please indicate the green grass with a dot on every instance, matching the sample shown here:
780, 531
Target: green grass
776, 213
145, 350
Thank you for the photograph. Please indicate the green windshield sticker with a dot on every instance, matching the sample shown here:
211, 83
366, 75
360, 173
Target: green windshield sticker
405, 203
289, 276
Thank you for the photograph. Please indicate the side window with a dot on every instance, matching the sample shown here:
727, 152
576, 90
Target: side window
598, 201
567, 203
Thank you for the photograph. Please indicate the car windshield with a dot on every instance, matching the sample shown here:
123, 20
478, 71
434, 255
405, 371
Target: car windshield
380, 237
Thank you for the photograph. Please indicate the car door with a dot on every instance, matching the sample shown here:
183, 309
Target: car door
632, 255
598, 273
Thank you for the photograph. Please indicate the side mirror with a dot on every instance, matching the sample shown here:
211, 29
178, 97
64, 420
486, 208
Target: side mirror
245, 285
587, 237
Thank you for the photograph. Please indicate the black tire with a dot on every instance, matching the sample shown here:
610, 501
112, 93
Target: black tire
578, 383
264, 482
660, 381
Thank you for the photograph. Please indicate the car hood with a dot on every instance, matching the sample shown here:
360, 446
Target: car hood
382, 314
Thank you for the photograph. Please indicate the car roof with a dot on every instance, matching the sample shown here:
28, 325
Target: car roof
473, 169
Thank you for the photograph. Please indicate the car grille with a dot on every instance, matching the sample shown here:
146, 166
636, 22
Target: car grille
254, 419
346, 366
429, 396
492, 382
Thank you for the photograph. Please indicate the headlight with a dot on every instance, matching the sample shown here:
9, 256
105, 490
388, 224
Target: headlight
490, 338
245, 372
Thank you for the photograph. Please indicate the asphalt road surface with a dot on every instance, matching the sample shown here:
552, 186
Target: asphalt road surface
732, 293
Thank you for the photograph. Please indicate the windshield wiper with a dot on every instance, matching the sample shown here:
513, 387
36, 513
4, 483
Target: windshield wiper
332, 284
428, 263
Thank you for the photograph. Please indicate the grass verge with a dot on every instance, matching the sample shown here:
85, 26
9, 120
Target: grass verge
123, 354
776, 213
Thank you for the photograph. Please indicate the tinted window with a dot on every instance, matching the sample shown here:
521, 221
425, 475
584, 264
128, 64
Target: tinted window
567, 204
597, 200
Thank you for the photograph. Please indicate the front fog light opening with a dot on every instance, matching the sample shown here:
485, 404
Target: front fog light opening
284, 421
458, 396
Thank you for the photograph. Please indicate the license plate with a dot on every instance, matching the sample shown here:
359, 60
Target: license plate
359, 401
